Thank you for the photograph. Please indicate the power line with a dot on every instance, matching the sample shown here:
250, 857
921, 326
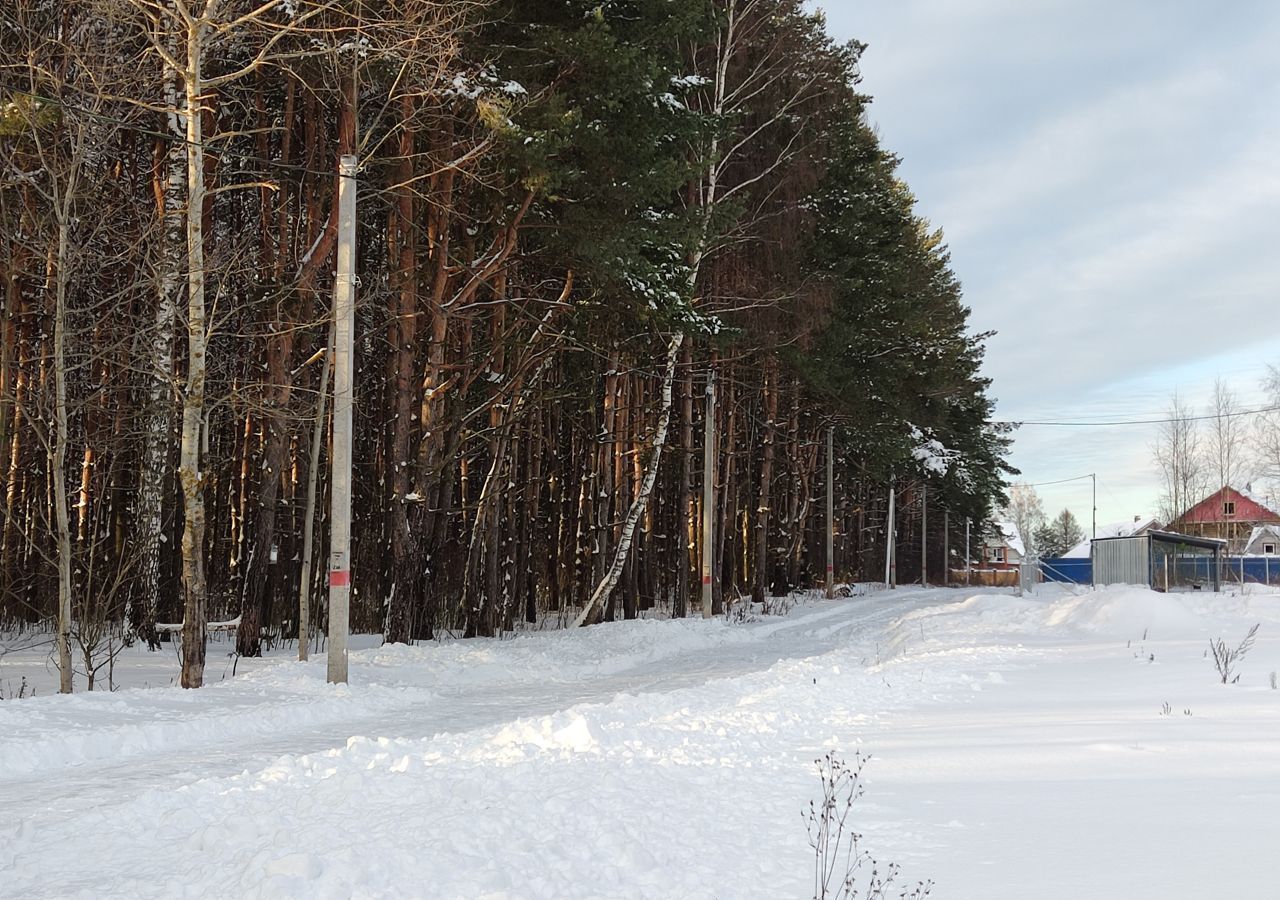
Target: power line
1160, 421
1063, 481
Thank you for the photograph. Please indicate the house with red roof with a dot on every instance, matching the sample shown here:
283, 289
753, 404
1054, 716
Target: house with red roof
1231, 514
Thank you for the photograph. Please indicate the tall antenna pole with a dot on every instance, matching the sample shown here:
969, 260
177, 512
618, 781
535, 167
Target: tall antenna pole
709, 495
831, 508
344, 290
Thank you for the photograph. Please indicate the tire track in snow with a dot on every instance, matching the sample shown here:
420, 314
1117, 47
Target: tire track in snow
165, 749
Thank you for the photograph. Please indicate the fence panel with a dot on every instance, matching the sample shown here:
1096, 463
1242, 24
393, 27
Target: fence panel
1067, 570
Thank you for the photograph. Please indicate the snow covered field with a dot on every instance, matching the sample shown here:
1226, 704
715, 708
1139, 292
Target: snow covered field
1057, 746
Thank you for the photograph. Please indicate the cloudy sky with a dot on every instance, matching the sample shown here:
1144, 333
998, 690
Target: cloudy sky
1107, 174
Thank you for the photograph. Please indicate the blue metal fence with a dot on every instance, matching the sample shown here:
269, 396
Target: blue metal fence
1068, 570
1256, 570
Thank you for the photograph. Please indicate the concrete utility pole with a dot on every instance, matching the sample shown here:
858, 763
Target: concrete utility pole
708, 496
946, 547
831, 513
924, 534
344, 290
890, 567
968, 568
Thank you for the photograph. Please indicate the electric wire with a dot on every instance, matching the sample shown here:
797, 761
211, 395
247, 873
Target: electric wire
1152, 421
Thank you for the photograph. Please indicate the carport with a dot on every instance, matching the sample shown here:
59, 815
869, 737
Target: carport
1162, 560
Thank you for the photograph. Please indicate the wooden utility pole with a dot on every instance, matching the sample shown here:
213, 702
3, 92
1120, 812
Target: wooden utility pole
709, 496
343, 396
1094, 476
831, 520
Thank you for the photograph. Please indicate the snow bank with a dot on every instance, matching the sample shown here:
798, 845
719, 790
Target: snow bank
647, 795
1119, 612
53, 731
675, 759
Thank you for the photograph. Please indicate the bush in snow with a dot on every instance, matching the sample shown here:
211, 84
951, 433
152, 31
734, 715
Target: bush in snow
841, 869
1225, 658
21, 692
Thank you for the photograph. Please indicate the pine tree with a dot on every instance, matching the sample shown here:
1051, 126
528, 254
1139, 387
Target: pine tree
1059, 535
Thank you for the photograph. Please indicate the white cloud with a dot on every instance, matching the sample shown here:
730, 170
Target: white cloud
1106, 176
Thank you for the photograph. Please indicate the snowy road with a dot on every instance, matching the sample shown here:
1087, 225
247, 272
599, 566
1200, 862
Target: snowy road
1021, 748
92, 748
75, 757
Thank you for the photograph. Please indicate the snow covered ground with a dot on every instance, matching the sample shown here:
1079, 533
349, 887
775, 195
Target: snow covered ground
1057, 746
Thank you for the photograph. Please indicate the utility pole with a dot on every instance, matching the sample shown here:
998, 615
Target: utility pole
924, 534
344, 290
1094, 476
968, 567
708, 495
890, 569
831, 509
946, 547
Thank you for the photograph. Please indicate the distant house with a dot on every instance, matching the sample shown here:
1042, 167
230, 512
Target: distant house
1002, 547
1231, 514
1264, 540
1127, 528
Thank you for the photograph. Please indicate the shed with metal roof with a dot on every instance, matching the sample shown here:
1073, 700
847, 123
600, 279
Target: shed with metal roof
1163, 560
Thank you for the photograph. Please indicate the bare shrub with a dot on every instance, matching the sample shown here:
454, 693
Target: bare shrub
23, 691
1225, 658
842, 870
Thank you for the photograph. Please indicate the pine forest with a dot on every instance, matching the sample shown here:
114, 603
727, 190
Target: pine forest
622, 267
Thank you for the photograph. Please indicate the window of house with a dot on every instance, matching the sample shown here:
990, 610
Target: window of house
997, 554
1268, 549
1229, 507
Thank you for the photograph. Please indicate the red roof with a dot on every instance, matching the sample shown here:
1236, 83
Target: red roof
1245, 507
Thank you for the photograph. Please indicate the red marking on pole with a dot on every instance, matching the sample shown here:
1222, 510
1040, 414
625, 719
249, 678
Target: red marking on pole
339, 578
706, 579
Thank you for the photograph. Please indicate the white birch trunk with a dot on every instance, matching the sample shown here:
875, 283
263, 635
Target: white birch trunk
614, 572
143, 598
61, 436
193, 579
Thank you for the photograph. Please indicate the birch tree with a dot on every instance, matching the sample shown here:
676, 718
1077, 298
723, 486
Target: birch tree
1026, 512
62, 129
1178, 454
1266, 435
183, 35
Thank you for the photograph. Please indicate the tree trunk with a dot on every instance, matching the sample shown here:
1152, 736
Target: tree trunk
58, 461
606, 585
402, 335
157, 440
309, 516
255, 579
688, 525
194, 589
761, 581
